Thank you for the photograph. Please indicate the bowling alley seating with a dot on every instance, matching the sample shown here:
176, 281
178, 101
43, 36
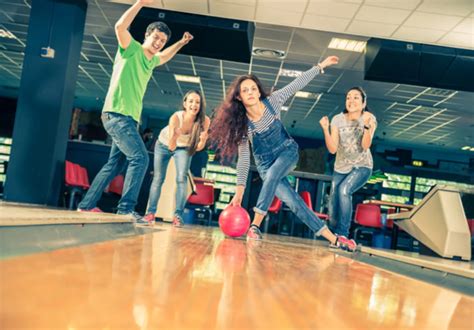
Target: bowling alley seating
202, 199
439, 222
306, 196
368, 220
76, 181
116, 185
273, 210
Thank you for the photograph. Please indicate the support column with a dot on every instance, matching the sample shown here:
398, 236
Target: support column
36, 169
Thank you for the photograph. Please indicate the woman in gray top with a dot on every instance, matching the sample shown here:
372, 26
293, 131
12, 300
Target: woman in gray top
350, 138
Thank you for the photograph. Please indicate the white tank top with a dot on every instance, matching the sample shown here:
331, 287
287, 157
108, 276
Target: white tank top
183, 139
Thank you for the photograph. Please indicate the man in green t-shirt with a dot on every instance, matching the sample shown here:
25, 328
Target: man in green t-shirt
133, 67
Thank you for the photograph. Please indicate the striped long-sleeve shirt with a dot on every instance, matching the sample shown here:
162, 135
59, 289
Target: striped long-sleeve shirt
276, 99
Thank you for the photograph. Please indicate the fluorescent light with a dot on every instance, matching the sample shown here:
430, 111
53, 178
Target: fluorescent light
472, 149
190, 79
4, 33
290, 73
466, 148
284, 108
308, 95
348, 45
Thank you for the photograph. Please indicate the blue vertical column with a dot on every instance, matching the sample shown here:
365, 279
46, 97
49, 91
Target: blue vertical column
36, 169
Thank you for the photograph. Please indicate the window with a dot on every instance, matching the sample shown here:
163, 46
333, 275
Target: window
397, 181
424, 185
5, 149
225, 178
395, 199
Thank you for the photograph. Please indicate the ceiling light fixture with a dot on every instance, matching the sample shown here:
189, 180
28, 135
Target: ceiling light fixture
308, 95
4, 33
189, 79
290, 73
466, 148
348, 45
269, 53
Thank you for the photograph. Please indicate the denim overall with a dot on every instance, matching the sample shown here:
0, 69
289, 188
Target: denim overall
276, 154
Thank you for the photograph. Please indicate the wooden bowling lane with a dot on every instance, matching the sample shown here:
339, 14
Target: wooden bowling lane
193, 277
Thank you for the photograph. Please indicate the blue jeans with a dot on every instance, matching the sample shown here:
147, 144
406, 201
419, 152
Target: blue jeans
276, 154
342, 188
127, 146
182, 161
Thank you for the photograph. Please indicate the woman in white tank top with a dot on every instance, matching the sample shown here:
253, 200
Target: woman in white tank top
185, 134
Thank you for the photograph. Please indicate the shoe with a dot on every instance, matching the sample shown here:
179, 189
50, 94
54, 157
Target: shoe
150, 218
346, 244
254, 233
333, 246
94, 210
137, 219
177, 221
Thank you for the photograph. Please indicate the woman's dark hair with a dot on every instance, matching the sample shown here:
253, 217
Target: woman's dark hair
160, 26
198, 125
362, 93
229, 125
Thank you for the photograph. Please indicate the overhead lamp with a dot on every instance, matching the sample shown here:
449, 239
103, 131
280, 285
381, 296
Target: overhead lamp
307, 95
348, 45
4, 33
189, 79
290, 73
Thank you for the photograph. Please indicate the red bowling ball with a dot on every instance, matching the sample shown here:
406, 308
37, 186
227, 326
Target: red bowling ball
234, 221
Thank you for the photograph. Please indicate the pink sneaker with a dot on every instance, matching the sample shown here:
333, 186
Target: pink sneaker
94, 210
346, 244
254, 233
177, 221
150, 218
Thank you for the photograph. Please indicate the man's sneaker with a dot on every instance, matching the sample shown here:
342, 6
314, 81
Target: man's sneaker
150, 218
177, 221
94, 210
346, 244
254, 233
135, 217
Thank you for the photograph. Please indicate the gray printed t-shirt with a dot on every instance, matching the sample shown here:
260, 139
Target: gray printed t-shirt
349, 151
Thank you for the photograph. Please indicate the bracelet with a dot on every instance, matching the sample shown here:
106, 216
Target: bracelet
321, 68
366, 127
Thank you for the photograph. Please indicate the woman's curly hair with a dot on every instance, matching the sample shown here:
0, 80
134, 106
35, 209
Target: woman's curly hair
229, 124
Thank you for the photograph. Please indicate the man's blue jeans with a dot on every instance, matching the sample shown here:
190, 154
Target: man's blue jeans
127, 146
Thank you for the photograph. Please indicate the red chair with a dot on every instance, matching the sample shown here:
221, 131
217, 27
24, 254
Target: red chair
368, 217
307, 200
76, 181
306, 196
83, 177
71, 175
203, 198
470, 222
389, 222
274, 208
116, 185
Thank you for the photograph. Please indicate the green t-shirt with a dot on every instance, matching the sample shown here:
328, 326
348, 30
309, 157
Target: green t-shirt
130, 76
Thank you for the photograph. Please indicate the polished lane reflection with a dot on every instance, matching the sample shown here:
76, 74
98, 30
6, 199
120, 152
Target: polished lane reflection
193, 277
